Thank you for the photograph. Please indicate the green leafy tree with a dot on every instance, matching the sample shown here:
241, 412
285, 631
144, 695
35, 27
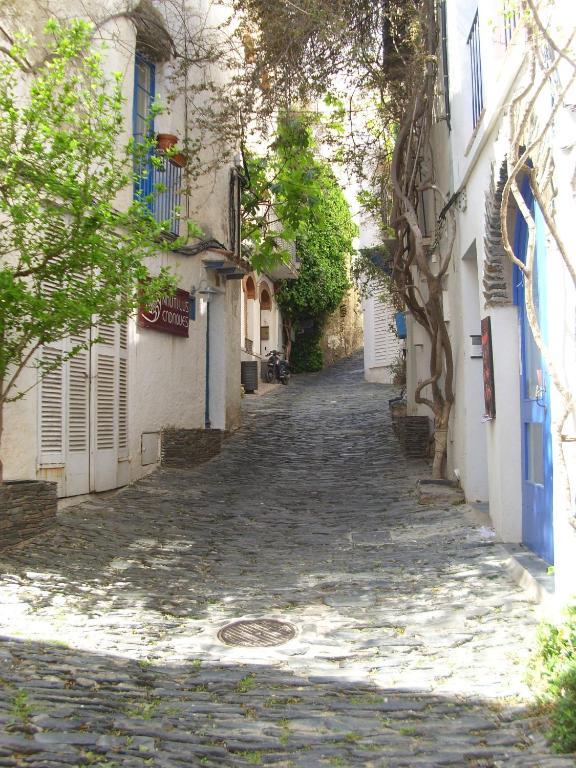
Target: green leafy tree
68, 257
280, 187
290, 195
324, 242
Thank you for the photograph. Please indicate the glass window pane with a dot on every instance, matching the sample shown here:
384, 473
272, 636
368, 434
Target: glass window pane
535, 452
533, 360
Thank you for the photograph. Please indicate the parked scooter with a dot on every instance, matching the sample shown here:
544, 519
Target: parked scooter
278, 368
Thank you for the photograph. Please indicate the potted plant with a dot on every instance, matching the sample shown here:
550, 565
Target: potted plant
165, 141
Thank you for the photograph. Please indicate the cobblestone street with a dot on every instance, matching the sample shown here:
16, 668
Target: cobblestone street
411, 638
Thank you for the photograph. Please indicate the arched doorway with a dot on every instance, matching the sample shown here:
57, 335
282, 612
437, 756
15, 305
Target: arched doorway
266, 335
249, 314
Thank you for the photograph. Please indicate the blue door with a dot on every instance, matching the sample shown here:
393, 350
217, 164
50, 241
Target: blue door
537, 523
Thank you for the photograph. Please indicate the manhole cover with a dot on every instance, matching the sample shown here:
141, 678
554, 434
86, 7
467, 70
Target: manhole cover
257, 632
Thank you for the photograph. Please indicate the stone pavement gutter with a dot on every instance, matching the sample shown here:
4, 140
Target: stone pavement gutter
411, 636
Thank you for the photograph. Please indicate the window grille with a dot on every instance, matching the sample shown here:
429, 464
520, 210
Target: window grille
159, 186
473, 43
511, 18
167, 183
445, 62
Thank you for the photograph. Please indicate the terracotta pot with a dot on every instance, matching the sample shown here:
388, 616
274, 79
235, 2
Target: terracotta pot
179, 159
166, 141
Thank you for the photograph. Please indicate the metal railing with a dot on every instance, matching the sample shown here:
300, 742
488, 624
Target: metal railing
445, 77
160, 188
167, 186
473, 44
511, 18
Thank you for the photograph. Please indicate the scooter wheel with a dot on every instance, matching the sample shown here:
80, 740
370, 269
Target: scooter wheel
284, 379
269, 376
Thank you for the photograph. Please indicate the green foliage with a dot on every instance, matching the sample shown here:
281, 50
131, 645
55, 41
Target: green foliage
68, 257
553, 673
19, 706
279, 188
323, 245
306, 353
291, 195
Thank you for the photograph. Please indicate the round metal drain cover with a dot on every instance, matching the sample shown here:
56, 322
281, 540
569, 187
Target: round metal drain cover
255, 633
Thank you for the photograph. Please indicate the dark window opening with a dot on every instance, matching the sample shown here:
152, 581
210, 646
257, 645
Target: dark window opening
473, 43
446, 82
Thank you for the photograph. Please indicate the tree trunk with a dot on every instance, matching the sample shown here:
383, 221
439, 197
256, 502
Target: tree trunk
441, 442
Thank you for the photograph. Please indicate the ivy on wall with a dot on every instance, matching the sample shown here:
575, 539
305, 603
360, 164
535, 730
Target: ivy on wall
323, 244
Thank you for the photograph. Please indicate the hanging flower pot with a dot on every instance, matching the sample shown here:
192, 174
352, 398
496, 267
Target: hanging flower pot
166, 141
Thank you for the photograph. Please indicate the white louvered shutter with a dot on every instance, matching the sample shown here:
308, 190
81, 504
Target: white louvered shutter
105, 401
110, 396
386, 344
52, 398
77, 471
123, 392
78, 397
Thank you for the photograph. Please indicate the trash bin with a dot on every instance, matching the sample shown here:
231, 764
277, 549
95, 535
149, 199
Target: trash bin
249, 375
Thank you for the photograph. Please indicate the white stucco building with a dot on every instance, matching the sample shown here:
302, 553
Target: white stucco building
261, 328
505, 456
96, 422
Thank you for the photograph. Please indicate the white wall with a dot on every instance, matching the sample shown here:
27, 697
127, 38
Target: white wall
474, 152
166, 373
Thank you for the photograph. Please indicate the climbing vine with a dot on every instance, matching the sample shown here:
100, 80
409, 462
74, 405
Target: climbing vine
279, 187
324, 242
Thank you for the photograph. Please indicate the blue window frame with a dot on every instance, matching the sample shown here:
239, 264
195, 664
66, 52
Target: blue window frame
473, 43
159, 183
143, 123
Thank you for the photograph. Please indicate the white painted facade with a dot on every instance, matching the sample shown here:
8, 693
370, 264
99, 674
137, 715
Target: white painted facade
95, 424
487, 455
382, 347
381, 343
261, 326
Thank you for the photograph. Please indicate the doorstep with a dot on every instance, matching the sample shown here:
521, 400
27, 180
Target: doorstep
525, 568
532, 573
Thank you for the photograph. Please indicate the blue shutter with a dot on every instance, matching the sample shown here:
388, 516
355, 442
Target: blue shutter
142, 125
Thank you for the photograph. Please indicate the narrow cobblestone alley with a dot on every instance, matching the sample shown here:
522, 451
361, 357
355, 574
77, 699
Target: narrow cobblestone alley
411, 638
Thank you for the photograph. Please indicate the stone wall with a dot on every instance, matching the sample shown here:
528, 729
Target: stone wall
186, 448
27, 508
343, 332
413, 433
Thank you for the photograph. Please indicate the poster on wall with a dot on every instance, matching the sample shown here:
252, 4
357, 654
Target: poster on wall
488, 370
169, 315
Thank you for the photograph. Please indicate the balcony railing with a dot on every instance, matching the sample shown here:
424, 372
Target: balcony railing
167, 185
160, 187
473, 43
511, 18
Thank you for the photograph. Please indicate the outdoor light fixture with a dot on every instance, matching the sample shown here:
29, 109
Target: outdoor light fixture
206, 291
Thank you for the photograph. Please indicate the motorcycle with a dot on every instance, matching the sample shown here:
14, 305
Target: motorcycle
277, 369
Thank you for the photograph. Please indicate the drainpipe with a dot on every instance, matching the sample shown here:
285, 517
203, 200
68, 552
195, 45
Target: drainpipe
207, 389
208, 294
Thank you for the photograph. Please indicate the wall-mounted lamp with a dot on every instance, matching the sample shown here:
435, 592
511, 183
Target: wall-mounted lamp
207, 292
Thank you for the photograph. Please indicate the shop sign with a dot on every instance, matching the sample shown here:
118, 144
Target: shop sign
169, 315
